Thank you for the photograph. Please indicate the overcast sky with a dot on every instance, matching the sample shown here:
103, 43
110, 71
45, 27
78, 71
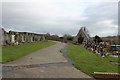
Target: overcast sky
61, 16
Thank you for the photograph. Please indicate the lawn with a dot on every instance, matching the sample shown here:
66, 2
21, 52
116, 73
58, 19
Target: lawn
89, 62
11, 53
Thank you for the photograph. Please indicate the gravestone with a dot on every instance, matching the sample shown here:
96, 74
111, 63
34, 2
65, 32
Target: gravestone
43, 38
23, 38
13, 38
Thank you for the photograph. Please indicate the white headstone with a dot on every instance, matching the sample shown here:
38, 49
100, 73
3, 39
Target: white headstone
22, 38
13, 38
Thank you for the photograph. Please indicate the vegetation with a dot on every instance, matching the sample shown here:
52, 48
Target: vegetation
0, 54
97, 39
11, 53
52, 37
111, 53
89, 62
67, 38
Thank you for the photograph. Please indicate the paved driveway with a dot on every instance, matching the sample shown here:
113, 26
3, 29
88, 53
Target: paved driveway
45, 63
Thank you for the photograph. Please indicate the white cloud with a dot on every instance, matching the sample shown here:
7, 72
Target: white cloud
61, 16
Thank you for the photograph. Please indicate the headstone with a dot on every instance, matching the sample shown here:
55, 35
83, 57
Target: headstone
43, 38
13, 38
23, 39
31, 39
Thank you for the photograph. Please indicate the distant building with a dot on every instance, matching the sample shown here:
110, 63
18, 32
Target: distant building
82, 36
113, 39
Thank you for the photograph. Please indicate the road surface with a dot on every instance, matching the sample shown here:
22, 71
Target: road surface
50, 62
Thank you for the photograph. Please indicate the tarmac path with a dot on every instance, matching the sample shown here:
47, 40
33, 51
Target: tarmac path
50, 62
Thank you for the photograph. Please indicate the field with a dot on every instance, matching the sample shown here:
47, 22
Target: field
89, 62
11, 53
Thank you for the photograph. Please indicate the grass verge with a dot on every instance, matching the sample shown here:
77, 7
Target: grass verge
89, 62
11, 53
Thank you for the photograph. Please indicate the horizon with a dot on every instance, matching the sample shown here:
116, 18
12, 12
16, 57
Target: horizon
61, 35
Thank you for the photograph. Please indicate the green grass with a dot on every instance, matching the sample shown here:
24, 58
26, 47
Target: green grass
11, 53
88, 62
111, 53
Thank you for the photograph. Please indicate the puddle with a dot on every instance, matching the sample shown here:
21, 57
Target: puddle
9, 68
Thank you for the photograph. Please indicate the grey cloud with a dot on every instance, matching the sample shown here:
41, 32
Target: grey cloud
102, 12
19, 17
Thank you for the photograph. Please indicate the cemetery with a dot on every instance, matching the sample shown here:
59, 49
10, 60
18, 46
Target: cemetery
16, 38
60, 39
92, 56
90, 62
11, 53
18, 44
96, 44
